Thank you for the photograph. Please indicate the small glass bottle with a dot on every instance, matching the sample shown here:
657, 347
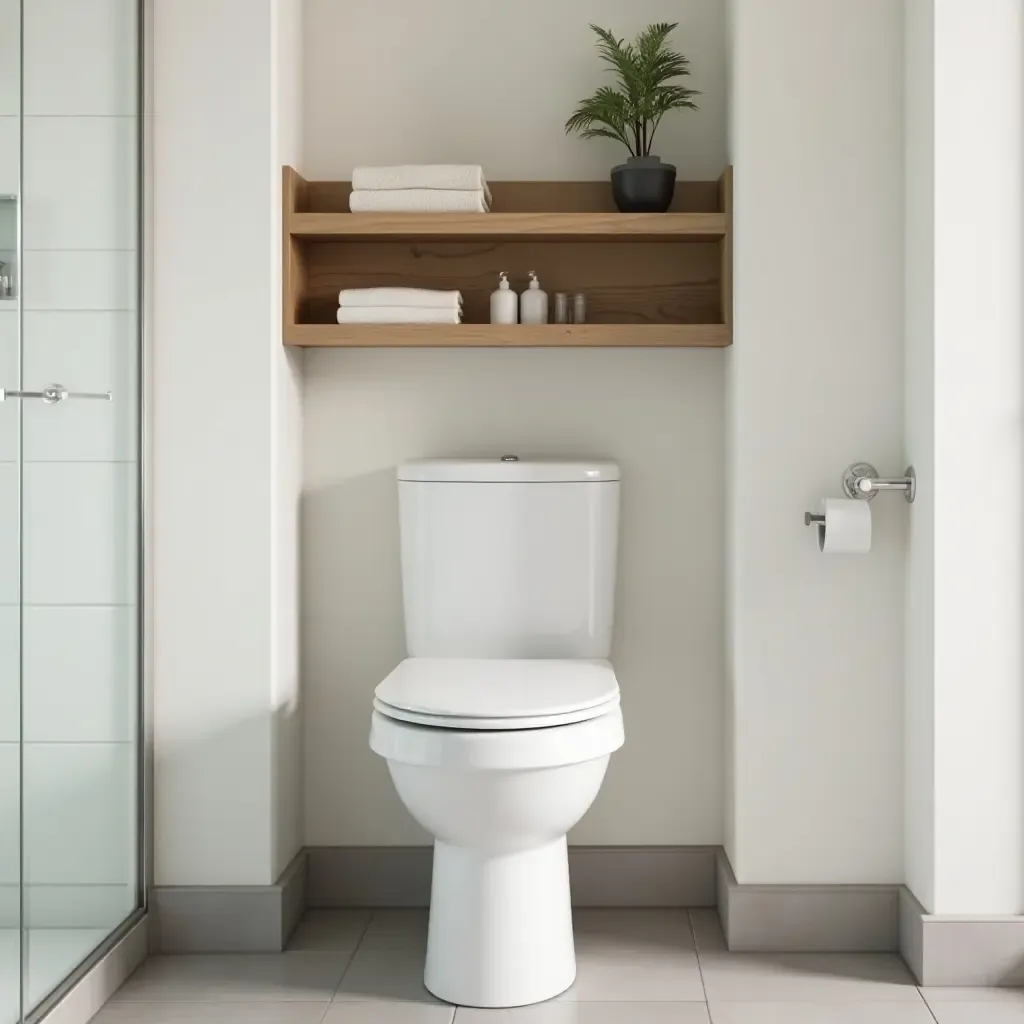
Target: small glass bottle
562, 308
579, 308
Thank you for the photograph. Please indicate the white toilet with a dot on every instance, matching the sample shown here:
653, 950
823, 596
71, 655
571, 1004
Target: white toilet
498, 727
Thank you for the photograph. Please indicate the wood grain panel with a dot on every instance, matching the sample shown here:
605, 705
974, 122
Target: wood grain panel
509, 226
624, 282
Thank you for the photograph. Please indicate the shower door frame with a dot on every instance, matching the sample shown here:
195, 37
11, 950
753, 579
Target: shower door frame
142, 519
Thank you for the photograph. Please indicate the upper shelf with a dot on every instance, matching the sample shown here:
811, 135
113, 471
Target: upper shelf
531, 210
596, 226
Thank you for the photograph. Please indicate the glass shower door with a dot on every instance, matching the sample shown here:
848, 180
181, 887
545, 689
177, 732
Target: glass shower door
10, 532
69, 522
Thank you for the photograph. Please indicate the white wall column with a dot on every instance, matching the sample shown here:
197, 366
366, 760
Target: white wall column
814, 704
965, 698
226, 444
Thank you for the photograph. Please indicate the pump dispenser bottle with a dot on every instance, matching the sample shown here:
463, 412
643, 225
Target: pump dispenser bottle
533, 303
504, 302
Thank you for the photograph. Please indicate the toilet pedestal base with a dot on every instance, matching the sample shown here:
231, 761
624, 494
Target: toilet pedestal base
500, 926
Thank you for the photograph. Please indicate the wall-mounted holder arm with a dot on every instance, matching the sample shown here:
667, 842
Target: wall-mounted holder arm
861, 480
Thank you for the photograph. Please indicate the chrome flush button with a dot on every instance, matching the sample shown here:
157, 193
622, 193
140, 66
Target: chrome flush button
510, 458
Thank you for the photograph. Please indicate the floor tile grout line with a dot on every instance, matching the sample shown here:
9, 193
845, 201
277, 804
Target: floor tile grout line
362, 934
696, 953
928, 1006
192, 1000
352, 956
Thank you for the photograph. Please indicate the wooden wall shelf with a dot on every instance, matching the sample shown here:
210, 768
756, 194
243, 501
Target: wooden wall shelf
660, 280
508, 227
514, 335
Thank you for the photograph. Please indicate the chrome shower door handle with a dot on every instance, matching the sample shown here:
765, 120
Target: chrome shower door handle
58, 393
53, 393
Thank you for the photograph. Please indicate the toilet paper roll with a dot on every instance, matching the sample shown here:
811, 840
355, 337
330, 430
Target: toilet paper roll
847, 527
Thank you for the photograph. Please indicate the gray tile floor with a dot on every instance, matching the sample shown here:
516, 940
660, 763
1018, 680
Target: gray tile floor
634, 967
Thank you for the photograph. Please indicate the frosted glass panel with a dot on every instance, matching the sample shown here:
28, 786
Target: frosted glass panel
69, 489
11, 961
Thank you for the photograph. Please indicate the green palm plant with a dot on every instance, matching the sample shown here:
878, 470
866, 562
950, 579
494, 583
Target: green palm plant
631, 112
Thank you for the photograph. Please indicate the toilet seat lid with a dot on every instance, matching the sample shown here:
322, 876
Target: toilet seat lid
494, 724
502, 689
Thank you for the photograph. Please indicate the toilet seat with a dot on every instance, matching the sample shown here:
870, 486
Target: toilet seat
455, 750
501, 693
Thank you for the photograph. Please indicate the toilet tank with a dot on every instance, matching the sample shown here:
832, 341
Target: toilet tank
508, 559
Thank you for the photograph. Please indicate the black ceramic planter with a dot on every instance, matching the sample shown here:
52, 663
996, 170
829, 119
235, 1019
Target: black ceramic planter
643, 184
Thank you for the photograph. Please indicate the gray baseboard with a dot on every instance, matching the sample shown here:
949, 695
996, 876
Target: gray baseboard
369, 876
642, 876
230, 919
806, 918
911, 932
956, 950
294, 884
755, 918
601, 876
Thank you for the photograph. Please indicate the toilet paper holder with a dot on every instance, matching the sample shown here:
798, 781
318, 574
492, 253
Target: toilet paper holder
861, 480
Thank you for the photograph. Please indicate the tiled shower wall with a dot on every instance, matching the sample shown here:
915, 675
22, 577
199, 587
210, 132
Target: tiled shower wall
79, 481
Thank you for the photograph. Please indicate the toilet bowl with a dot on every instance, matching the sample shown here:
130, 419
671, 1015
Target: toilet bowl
498, 727
498, 759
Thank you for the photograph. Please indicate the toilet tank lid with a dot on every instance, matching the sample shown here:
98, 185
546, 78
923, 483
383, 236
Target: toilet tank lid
509, 470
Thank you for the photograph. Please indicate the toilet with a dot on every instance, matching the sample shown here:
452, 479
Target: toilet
499, 725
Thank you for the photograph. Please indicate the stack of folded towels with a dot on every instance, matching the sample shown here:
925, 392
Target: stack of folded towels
399, 306
420, 188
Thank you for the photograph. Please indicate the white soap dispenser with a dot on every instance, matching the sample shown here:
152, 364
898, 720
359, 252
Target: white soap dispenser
533, 303
504, 302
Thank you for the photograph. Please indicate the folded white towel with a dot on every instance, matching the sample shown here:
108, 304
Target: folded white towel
460, 177
397, 315
423, 297
418, 200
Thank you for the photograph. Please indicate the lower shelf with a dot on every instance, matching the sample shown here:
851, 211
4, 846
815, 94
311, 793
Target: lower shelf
508, 336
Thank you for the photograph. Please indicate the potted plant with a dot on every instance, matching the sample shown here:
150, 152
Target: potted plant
631, 112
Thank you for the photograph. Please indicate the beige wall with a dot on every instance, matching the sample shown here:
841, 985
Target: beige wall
815, 382
446, 82
457, 81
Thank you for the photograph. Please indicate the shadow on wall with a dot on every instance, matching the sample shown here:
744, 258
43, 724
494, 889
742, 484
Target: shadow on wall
659, 414
353, 634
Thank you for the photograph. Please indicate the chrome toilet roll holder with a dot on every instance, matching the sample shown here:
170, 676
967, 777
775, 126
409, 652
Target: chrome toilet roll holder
861, 480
